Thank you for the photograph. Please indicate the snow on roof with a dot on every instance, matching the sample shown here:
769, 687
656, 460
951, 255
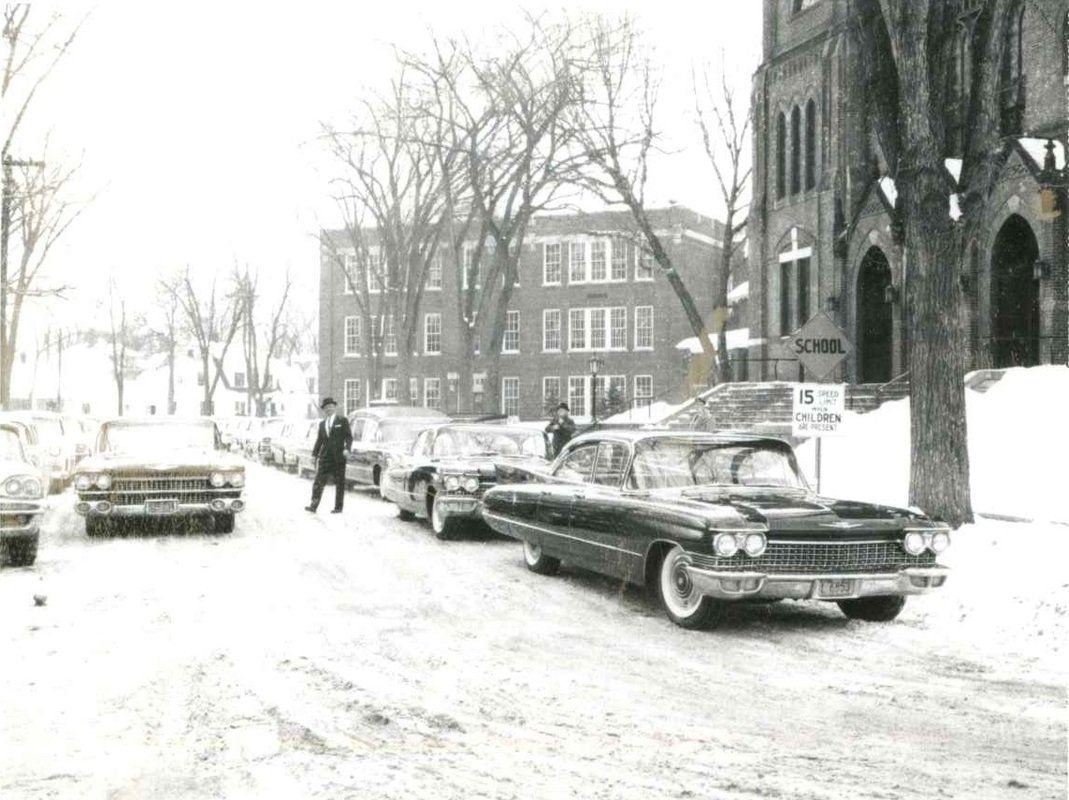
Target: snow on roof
740, 292
736, 338
1037, 151
890, 191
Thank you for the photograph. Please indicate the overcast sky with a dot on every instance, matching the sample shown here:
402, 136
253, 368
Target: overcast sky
196, 123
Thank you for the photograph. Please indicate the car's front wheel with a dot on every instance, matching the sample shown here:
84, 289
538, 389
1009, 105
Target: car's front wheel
537, 561
683, 603
97, 526
882, 608
224, 523
20, 552
444, 526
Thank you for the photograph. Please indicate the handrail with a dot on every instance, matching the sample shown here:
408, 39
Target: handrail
884, 386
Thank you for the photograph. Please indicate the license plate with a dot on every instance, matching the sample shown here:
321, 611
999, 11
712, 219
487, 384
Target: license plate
161, 506
837, 588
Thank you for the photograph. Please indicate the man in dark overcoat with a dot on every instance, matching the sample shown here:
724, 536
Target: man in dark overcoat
330, 450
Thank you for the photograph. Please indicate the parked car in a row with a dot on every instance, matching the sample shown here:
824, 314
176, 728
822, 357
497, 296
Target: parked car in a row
381, 431
159, 467
449, 466
708, 519
21, 493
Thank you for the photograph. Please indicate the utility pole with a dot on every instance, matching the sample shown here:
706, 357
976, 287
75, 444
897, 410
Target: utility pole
6, 190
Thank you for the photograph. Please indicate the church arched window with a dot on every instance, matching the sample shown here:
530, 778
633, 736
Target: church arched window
810, 144
781, 155
1013, 95
796, 150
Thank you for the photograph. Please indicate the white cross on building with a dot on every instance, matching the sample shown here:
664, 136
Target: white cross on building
796, 253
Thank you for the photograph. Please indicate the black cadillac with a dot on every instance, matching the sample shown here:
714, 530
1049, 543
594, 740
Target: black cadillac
704, 519
449, 467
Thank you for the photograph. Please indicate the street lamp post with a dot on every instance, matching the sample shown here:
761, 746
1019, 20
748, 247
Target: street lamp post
595, 364
7, 189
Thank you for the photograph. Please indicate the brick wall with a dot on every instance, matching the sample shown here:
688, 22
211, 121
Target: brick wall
692, 241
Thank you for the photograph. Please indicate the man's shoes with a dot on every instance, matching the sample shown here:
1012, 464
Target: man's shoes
335, 511
310, 508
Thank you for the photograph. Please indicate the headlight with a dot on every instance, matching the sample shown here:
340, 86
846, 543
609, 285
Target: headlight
236, 479
217, 479
25, 486
754, 544
940, 541
725, 545
914, 543
104, 481
471, 484
452, 483
83, 482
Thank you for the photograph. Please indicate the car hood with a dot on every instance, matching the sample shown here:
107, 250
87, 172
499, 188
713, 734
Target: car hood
787, 512
10, 467
163, 462
494, 467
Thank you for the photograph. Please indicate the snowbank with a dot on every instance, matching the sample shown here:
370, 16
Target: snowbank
653, 413
1018, 449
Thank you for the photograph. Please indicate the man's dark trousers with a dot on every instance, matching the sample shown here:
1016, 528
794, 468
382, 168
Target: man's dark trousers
327, 470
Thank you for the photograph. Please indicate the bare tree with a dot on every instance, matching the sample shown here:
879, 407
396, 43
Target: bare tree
907, 62
724, 128
614, 121
390, 195
504, 121
259, 333
40, 215
213, 322
32, 204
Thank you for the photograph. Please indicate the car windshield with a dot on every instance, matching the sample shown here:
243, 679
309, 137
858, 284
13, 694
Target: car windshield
49, 430
400, 431
497, 441
156, 438
672, 463
10, 449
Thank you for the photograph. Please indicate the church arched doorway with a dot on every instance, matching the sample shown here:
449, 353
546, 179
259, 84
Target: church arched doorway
875, 321
1014, 296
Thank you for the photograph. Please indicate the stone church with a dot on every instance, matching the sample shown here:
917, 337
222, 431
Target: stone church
820, 225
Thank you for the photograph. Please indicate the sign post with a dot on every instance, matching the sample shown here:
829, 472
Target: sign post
818, 408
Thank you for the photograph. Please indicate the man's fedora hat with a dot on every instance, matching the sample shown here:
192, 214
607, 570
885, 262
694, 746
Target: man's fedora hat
327, 401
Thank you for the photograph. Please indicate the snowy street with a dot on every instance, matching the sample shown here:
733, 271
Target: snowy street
357, 656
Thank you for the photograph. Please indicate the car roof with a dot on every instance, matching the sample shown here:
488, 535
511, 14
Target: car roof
711, 437
389, 412
164, 420
494, 427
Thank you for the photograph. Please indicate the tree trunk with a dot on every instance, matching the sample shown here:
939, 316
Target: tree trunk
206, 403
939, 455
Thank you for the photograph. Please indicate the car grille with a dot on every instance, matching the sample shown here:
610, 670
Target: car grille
135, 490
821, 557
161, 484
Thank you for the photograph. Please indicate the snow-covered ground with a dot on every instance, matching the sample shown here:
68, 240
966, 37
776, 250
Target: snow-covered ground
1018, 449
359, 657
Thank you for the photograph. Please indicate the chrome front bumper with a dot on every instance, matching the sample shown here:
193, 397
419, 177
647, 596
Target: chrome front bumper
736, 585
29, 510
456, 505
98, 508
